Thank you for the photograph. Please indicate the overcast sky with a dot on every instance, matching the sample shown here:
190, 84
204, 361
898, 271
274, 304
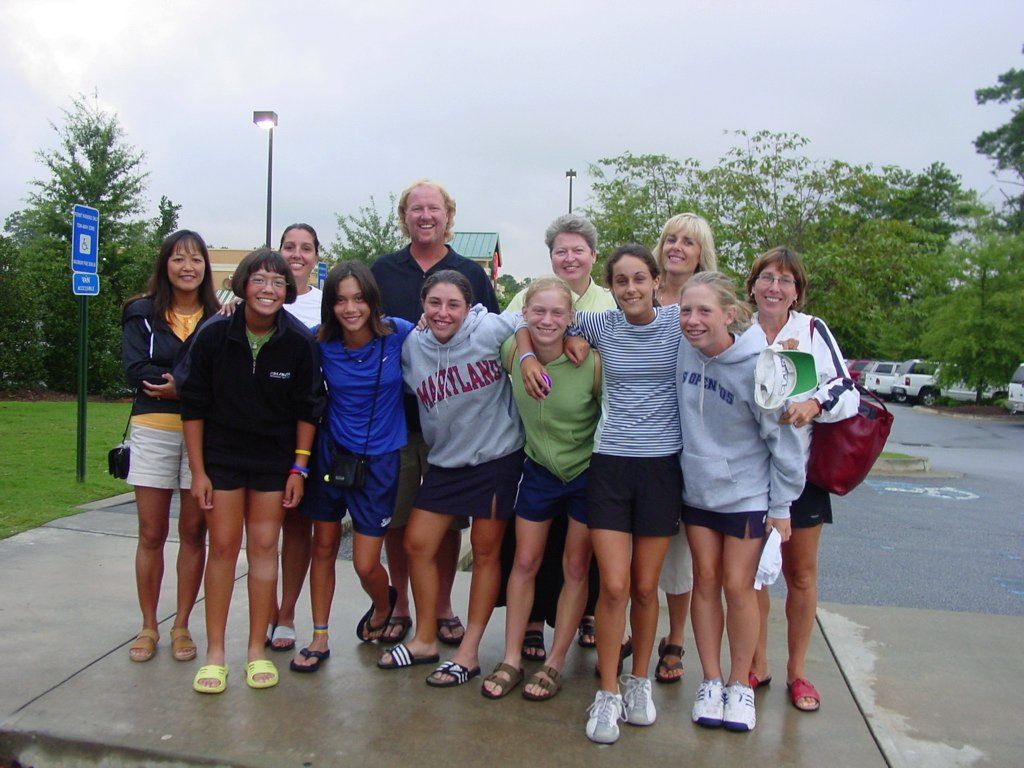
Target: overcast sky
496, 103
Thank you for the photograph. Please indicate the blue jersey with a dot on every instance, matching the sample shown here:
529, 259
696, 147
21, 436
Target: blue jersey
351, 376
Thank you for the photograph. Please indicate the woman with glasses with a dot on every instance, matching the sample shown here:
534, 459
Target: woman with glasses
249, 405
777, 284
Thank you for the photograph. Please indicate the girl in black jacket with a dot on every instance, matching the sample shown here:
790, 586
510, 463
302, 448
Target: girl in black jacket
250, 403
156, 327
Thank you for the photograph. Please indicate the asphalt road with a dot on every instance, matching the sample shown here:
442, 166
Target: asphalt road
944, 543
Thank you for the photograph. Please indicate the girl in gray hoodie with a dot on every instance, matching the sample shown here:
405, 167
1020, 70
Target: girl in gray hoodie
741, 471
475, 438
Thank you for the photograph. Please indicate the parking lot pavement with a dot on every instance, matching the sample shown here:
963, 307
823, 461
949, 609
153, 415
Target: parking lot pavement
69, 695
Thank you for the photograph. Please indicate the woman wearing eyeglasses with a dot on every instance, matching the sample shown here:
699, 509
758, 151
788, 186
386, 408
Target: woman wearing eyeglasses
249, 405
777, 283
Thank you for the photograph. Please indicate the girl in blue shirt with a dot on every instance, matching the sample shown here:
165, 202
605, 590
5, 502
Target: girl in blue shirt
360, 353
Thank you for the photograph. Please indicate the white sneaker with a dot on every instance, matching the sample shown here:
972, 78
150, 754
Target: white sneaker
637, 700
605, 713
709, 706
739, 708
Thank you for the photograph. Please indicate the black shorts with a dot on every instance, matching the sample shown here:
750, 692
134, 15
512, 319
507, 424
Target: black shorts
232, 478
641, 495
470, 491
813, 508
739, 525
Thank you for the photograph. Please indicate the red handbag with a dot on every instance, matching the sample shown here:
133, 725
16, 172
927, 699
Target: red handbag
843, 452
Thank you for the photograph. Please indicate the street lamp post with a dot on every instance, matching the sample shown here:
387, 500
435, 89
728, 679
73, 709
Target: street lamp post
268, 119
570, 175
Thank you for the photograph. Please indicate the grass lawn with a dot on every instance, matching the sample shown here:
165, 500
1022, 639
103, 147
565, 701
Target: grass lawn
896, 455
37, 460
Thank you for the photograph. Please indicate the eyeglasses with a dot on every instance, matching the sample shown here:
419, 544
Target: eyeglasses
783, 280
277, 284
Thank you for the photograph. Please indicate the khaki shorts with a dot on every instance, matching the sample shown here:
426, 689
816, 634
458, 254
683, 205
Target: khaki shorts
677, 571
410, 474
158, 459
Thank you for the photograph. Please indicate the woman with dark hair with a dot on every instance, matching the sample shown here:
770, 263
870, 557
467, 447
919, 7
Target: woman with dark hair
360, 354
156, 328
471, 425
634, 491
250, 404
300, 247
777, 283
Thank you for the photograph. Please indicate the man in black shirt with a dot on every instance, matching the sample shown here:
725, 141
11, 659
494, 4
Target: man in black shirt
426, 213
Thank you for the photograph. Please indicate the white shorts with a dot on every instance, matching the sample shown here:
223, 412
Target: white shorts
677, 571
158, 458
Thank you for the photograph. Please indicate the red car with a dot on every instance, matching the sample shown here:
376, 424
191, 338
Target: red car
856, 368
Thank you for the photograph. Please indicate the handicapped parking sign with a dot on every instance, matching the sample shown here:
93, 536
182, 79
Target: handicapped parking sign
85, 231
84, 284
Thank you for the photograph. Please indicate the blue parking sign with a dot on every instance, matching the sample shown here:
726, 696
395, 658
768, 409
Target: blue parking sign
85, 284
321, 274
85, 232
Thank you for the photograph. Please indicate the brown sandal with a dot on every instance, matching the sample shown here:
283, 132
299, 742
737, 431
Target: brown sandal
183, 648
549, 679
504, 686
145, 642
663, 668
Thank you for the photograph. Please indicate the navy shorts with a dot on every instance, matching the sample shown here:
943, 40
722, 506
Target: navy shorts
541, 495
371, 506
641, 495
813, 508
471, 491
232, 478
739, 525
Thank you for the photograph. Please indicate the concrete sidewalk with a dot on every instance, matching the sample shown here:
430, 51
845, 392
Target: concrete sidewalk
894, 689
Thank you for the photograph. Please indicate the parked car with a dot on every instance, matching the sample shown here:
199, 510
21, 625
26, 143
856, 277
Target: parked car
915, 380
1015, 397
962, 391
856, 367
879, 377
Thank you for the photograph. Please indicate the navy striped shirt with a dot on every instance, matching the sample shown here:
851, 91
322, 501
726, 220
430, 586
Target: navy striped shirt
639, 413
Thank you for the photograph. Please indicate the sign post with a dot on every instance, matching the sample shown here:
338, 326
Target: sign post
85, 282
321, 274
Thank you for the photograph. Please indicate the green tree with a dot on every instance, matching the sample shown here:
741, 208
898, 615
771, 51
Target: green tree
1005, 144
508, 287
21, 364
94, 165
976, 330
366, 235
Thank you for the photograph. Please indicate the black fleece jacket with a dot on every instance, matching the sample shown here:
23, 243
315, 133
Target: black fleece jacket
249, 407
149, 349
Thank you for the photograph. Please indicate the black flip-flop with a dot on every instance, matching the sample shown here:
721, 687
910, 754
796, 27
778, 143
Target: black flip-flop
451, 624
401, 657
405, 622
364, 626
320, 656
534, 640
589, 630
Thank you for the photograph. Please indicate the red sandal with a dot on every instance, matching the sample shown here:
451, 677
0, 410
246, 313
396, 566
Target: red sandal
802, 689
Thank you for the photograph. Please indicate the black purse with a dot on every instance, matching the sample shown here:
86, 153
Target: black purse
348, 470
119, 457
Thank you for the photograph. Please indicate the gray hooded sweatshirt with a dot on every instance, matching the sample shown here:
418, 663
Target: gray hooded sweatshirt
464, 398
736, 457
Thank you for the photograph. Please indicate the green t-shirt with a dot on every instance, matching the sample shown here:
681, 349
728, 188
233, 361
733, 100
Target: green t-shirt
560, 428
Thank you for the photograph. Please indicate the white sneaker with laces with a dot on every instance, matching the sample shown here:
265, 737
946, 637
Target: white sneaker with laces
637, 700
739, 712
709, 706
605, 713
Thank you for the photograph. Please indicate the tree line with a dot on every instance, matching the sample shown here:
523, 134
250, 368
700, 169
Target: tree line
901, 263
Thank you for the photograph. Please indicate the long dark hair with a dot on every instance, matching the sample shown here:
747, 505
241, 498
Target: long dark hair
159, 288
330, 328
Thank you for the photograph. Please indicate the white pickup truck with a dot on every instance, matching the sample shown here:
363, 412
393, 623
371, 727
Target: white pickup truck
879, 377
915, 380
